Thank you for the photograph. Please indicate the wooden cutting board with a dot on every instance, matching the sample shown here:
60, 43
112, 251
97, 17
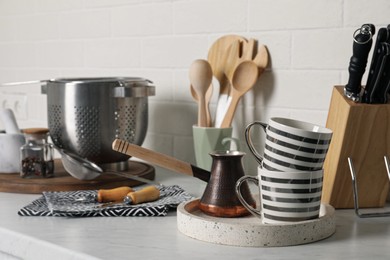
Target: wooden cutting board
65, 182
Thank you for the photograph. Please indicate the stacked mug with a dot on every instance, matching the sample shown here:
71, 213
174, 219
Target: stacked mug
290, 173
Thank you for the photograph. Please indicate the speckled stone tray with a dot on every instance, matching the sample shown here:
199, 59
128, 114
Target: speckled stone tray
249, 231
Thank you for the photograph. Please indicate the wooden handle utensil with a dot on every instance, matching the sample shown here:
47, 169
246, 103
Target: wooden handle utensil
243, 79
200, 77
160, 159
147, 194
113, 195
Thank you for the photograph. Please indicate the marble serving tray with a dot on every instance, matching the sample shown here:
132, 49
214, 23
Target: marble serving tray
249, 231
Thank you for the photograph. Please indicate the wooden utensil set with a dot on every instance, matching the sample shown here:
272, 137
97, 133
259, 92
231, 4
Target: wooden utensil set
236, 63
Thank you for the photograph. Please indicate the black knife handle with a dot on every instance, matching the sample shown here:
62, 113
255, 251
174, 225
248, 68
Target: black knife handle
373, 72
357, 64
382, 76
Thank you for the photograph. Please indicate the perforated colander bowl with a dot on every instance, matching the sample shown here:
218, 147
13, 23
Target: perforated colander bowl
85, 115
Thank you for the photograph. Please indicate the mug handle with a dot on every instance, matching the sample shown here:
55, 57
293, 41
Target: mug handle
231, 140
258, 157
240, 181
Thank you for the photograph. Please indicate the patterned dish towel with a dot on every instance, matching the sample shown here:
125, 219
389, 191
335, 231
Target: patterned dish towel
83, 204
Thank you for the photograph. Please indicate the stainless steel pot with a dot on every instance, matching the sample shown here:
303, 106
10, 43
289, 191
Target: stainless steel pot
85, 115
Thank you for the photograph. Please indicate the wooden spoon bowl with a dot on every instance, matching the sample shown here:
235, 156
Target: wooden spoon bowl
244, 78
200, 77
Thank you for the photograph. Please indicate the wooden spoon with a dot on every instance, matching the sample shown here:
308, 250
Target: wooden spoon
244, 78
240, 51
208, 97
232, 59
200, 77
217, 57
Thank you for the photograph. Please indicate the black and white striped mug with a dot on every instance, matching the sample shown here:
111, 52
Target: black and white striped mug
291, 145
285, 197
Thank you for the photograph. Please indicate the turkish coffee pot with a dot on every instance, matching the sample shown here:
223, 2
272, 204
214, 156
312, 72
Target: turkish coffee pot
219, 198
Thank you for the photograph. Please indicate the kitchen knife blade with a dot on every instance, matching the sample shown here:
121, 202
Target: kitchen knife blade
375, 65
357, 65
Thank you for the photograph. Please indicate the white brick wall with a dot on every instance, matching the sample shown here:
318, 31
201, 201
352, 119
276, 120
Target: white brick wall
309, 43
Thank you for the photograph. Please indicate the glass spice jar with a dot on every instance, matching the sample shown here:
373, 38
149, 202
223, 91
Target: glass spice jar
36, 154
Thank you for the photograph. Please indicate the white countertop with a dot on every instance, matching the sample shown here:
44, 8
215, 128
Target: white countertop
158, 237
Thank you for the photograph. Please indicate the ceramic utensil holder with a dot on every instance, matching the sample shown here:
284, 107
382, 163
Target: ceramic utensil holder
362, 132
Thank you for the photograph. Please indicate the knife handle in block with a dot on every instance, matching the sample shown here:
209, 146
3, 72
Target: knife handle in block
371, 90
150, 193
357, 64
113, 195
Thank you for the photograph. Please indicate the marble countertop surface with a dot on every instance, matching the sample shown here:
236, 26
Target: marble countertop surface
159, 238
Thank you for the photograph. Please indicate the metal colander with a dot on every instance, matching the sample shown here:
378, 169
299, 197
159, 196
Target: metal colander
85, 115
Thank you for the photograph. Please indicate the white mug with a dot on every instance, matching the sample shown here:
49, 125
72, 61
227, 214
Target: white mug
291, 145
285, 197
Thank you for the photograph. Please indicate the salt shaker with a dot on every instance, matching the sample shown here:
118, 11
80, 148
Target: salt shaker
36, 154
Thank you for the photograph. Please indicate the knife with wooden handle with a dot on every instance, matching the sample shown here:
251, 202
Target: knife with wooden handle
113, 195
127, 195
147, 194
160, 159
357, 64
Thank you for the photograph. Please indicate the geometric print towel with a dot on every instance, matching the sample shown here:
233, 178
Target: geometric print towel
83, 204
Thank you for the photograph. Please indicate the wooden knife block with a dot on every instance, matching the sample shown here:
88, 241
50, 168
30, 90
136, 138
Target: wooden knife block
362, 132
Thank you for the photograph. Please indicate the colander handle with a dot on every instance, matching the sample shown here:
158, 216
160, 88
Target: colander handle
131, 91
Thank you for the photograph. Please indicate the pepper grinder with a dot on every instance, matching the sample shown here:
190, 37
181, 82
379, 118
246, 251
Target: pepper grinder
36, 154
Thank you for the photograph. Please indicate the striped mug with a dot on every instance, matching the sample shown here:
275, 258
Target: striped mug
285, 197
291, 145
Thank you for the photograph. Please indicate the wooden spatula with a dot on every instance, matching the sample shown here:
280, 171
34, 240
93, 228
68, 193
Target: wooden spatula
217, 58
